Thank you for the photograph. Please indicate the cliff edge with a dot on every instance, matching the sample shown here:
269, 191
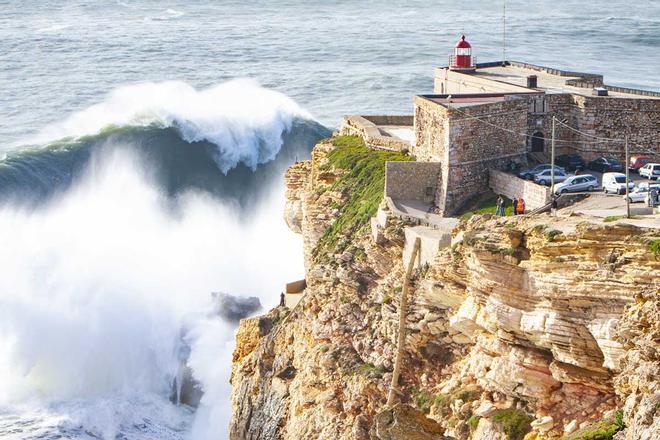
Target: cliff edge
533, 327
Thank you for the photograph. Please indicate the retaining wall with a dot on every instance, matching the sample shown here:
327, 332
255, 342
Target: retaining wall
512, 187
367, 128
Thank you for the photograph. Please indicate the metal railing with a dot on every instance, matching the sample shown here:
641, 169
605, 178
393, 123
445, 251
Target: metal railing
473, 62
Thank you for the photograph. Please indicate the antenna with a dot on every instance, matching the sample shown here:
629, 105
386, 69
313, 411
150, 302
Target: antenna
503, 33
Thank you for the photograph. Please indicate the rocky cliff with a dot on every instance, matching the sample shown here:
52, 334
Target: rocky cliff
532, 327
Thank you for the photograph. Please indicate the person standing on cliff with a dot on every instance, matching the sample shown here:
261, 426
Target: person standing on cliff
519, 206
500, 206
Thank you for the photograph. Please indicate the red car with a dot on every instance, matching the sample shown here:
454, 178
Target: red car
636, 162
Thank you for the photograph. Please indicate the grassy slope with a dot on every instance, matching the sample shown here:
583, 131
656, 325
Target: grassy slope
363, 184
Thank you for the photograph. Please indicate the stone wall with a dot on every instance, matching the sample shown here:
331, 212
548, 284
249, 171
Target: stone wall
636, 119
431, 130
512, 187
477, 144
411, 180
599, 117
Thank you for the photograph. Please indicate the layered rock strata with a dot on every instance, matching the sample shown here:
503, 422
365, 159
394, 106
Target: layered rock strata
521, 324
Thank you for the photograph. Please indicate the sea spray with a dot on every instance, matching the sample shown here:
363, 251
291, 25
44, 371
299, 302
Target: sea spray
100, 283
105, 276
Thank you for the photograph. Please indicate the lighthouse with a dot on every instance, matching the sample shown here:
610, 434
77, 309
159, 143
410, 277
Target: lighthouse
462, 58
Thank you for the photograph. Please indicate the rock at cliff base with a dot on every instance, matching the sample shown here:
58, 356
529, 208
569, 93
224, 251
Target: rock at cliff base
403, 422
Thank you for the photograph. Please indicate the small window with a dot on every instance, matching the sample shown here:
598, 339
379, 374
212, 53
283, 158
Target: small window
429, 190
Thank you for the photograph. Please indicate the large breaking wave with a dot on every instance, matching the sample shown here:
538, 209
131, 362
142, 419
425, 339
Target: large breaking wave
117, 235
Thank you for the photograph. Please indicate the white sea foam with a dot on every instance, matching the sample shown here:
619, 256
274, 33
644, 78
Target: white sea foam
98, 286
243, 119
53, 28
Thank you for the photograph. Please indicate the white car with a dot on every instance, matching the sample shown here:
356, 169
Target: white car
545, 177
616, 183
650, 171
583, 182
640, 193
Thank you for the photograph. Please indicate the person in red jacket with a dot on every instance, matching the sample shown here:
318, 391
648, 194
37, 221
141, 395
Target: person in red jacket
520, 206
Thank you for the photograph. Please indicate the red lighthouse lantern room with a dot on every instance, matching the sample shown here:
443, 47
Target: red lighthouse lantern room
462, 57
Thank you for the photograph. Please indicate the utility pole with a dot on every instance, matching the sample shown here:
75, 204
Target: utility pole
504, 33
627, 180
552, 160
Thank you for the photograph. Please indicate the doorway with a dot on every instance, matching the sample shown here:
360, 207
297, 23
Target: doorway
538, 144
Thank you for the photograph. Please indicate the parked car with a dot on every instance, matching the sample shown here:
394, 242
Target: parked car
616, 183
529, 174
605, 165
650, 171
636, 162
584, 182
640, 193
570, 162
545, 177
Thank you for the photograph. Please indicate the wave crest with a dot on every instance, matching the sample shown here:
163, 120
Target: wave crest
244, 120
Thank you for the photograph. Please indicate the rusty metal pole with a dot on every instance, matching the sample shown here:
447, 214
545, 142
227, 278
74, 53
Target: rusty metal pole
403, 315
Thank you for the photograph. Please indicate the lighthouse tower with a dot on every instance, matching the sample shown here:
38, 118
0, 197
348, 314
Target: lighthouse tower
462, 59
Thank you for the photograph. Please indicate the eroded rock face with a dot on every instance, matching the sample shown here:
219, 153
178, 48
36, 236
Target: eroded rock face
639, 380
520, 314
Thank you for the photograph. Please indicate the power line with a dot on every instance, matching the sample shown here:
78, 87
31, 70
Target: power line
526, 135
600, 140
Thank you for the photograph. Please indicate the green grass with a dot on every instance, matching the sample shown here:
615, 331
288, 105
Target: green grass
472, 422
423, 400
485, 203
654, 246
370, 370
613, 218
603, 430
363, 184
514, 423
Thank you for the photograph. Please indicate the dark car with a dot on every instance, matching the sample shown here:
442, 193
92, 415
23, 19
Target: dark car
570, 162
605, 165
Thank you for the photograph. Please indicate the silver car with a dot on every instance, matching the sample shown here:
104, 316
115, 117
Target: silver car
583, 182
529, 174
545, 177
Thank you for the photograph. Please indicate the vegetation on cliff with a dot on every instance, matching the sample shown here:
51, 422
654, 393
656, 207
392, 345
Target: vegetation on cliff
514, 422
603, 430
362, 186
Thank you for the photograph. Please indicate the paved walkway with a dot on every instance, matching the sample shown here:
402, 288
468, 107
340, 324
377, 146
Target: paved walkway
422, 212
600, 205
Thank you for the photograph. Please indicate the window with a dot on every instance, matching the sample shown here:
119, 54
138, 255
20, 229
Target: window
463, 51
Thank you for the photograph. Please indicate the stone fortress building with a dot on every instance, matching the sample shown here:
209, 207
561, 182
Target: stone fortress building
484, 117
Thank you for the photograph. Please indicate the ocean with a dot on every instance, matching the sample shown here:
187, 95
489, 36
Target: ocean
142, 148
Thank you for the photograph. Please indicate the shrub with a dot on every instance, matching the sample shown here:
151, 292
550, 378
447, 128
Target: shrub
613, 218
654, 246
514, 423
551, 234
